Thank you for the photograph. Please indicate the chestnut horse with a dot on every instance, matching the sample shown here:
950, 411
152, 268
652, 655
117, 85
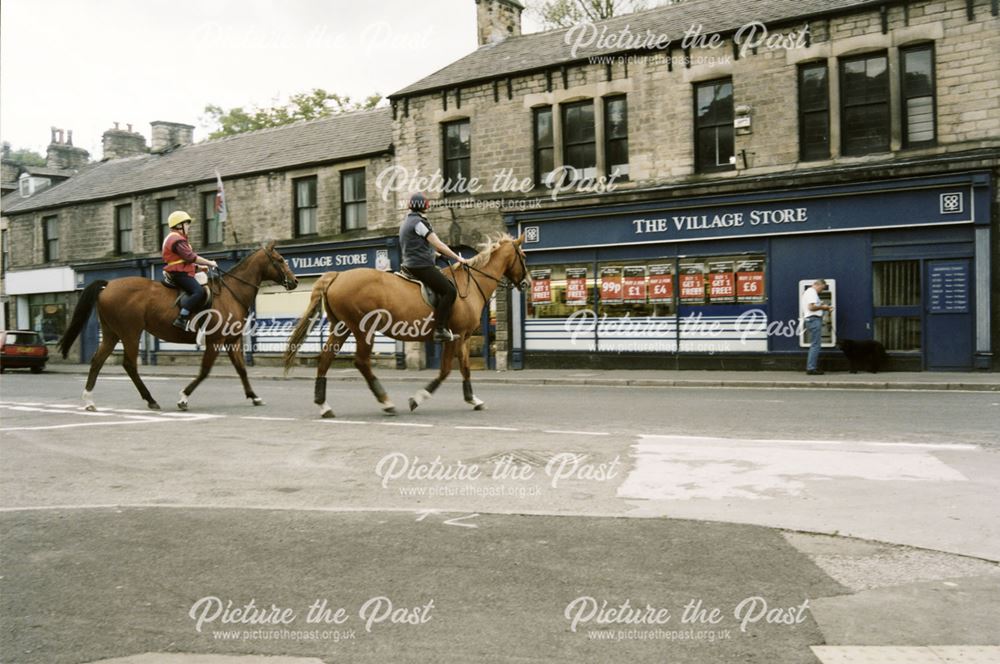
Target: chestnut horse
127, 306
365, 301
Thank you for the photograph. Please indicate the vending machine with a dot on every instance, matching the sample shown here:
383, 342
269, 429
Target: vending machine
828, 296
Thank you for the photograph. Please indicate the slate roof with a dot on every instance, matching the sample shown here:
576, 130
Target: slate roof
336, 138
546, 49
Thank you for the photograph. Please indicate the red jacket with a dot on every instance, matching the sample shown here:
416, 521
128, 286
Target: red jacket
178, 255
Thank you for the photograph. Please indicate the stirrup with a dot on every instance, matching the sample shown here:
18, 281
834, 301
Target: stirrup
443, 334
181, 323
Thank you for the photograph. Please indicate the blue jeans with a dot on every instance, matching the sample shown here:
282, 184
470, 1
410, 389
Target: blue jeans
195, 292
814, 326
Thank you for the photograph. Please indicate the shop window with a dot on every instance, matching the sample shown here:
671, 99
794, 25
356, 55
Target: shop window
50, 233
814, 112
210, 220
616, 136
919, 126
48, 315
714, 146
123, 229
897, 299
164, 208
721, 280
864, 113
354, 213
457, 156
558, 291
579, 139
544, 144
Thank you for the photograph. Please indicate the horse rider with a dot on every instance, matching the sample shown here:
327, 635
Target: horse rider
418, 242
182, 264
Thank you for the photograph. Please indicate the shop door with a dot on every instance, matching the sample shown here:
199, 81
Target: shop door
948, 315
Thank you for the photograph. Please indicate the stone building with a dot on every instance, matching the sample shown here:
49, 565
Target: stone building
308, 185
680, 173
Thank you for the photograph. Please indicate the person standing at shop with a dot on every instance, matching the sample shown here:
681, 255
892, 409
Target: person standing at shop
812, 317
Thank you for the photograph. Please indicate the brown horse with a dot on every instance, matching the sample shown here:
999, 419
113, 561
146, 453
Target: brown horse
127, 306
365, 301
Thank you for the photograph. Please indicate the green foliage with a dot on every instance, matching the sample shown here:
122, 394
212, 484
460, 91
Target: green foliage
23, 157
565, 13
317, 103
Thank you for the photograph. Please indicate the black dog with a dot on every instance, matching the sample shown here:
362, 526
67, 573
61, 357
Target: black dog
863, 353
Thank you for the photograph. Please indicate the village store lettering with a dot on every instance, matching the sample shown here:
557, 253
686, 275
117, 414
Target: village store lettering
701, 222
342, 260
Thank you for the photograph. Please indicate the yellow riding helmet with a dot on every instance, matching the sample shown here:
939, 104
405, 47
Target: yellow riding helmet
177, 218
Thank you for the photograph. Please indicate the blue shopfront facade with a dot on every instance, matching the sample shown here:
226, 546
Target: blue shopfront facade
714, 281
276, 310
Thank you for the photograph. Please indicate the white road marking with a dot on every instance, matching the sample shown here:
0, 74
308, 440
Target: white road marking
336, 421
909, 654
458, 519
488, 428
145, 379
270, 419
577, 433
686, 468
405, 424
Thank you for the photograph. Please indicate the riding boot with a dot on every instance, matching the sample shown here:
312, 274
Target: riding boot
181, 322
443, 334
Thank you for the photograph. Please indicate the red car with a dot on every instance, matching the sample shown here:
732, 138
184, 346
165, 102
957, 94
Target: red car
23, 349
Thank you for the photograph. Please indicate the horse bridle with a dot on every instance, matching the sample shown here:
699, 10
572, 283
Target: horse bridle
274, 263
504, 281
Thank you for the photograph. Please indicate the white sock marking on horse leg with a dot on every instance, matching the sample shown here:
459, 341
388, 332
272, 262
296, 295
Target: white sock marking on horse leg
324, 409
88, 400
421, 396
475, 401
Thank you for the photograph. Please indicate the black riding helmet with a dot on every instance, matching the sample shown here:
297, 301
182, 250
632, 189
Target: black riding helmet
418, 202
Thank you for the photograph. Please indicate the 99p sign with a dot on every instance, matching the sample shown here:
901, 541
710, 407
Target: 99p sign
612, 289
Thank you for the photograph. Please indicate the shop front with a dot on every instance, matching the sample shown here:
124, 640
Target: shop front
715, 282
42, 300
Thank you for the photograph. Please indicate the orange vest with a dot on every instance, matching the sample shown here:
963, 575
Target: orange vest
173, 260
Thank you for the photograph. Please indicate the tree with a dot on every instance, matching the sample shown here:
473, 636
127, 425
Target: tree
22, 157
317, 103
565, 13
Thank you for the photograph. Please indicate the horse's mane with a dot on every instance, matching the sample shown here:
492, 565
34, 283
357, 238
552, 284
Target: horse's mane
491, 244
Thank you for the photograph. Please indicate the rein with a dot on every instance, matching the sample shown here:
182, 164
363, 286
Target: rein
256, 286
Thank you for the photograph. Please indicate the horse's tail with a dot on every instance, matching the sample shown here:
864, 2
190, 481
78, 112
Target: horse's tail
309, 316
88, 298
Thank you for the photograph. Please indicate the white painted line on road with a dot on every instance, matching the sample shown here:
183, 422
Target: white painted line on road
145, 379
22, 403
458, 519
336, 421
83, 424
405, 424
929, 446
33, 409
794, 441
577, 433
270, 419
488, 428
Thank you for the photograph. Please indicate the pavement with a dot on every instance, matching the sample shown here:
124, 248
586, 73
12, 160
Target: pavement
925, 380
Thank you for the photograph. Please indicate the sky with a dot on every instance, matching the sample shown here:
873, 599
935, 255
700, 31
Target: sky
83, 65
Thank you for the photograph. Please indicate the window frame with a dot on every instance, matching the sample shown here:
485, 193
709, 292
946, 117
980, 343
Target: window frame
297, 207
608, 139
362, 202
119, 245
716, 168
844, 106
904, 124
162, 229
537, 147
564, 110
447, 159
50, 242
803, 112
208, 221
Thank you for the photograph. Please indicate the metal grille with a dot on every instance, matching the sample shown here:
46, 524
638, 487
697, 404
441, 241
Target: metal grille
897, 283
898, 332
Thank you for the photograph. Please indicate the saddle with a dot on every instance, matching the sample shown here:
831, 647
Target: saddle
430, 297
168, 281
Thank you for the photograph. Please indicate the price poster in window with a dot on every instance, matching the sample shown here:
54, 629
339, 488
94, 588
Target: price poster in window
541, 286
611, 285
661, 283
692, 282
750, 280
721, 282
576, 286
634, 283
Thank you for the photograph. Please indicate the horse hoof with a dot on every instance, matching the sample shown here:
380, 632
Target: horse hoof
182, 405
389, 410
91, 408
413, 404
327, 414
258, 402
481, 406
154, 406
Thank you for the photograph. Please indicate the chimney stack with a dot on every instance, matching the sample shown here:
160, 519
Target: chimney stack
497, 20
169, 135
62, 155
117, 143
